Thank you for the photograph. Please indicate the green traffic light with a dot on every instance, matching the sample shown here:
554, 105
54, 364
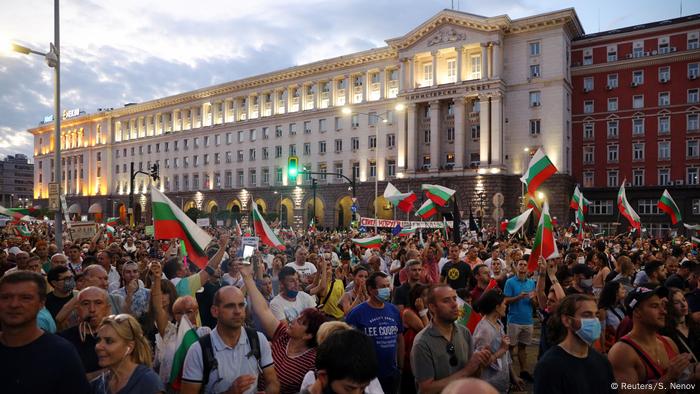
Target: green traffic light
293, 167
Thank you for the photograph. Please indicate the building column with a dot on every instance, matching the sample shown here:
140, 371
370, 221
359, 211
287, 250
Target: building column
319, 94
402, 74
412, 73
496, 57
460, 55
401, 140
434, 135
496, 130
460, 132
348, 89
485, 130
411, 140
368, 86
382, 83
434, 54
484, 61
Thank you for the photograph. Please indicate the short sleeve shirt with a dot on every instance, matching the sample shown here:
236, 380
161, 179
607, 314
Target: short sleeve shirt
456, 274
232, 363
187, 286
304, 271
289, 310
140, 301
383, 326
429, 357
519, 312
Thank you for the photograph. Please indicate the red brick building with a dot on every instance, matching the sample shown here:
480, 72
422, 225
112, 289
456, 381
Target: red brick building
636, 116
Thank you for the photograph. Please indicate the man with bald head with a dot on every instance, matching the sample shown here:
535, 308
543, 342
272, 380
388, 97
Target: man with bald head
186, 305
96, 276
92, 306
58, 259
469, 385
238, 369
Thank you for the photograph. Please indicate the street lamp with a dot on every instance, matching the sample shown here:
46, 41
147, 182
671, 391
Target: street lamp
53, 60
382, 119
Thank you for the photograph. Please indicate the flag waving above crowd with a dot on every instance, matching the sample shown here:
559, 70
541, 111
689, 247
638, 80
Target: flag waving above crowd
669, 206
262, 230
626, 209
404, 201
538, 171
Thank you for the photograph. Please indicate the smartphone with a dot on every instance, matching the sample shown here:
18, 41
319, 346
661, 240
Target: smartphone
581, 260
247, 253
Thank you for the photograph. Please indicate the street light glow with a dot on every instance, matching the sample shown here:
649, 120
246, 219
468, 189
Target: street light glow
346, 110
400, 107
540, 195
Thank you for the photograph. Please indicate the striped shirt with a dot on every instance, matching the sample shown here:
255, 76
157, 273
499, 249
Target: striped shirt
290, 370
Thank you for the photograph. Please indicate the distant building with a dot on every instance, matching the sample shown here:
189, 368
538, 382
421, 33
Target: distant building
16, 181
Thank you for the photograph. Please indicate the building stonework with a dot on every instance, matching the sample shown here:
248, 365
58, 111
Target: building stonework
16, 182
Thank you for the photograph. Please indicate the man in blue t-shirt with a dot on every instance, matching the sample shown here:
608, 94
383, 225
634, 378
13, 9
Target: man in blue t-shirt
520, 291
381, 321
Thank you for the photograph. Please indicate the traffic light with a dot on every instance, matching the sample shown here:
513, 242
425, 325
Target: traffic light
292, 167
154, 172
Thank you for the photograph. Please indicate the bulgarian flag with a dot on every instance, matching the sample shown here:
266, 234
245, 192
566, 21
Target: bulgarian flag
110, 232
438, 194
407, 232
427, 210
237, 226
531, 202
544, 244
112, 221
170, 222
15, 214
626, 209
539, 170
23, 231
186, 337
669, 206
262, 230
517, 222
695, 227
369, 243
576, 200
404, 201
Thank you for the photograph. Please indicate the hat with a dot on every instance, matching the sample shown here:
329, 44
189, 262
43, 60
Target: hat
583, 269
640, 294
14, 250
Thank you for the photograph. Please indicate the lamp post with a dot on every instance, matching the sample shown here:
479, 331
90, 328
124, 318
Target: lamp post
381, 118
53, 60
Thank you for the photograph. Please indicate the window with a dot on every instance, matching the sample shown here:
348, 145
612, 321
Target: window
265, 133
265, 153
451, 70
693, 96
356, 170
185, 182
588, 131
322, 147
241, 136
612, 104
638, 151
338, 146
613, 178
693, 149
475, 131
664, 125
613, 153
265, 176
195, 161
279, 174
535, 127
648, 207
588, 107
253, 135
322, 125
588, 154
391, 168
612, 53
588, 84
426, 161
240, 178
693, 70
638, 178
372, 168
696, 206
601, 207
535, 71
588, 179
307, 127
228, 157
664, 46
587, 57
354, 143
450, 134
427, 74
612, 81
664, 150
390, 140
535, 99
307, 148
278, 131
638, 126
239, 156
175, 148
338, 170
638, 49
228, 180
638, 101
251, 154
278, 151
195, 181
534, 48
664, 99
372, 119
691, 176
664, 74
664, 176
253, 176
693, 42
637, 77
475, 62
692, 122
292, 129
292, 150
196, 142
613, 128
372, 142
338, 125
355, 120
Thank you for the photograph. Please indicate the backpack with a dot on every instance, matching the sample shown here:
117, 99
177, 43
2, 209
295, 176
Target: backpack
209, 362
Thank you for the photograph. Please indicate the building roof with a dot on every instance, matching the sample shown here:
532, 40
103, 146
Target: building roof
643, 26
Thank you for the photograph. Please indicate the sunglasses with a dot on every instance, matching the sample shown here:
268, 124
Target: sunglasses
121, 318
450, 349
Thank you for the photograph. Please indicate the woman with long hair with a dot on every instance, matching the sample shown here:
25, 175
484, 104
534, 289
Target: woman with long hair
124, 352
600, 265
627, 273
611, 311
680, 327
489, 334
414, 317
358, 293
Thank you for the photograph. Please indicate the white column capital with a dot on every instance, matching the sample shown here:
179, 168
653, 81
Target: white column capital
459, 100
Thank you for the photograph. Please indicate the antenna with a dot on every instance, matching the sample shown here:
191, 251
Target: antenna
598, 20
453, 5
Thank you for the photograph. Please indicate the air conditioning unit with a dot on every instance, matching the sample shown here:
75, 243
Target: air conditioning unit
629, 56
634, 84
586, 90
692, 77
669, 183
535, 75
679, 182
654, 52
673, 49
425, 167
536, 104
610, 87
663, 80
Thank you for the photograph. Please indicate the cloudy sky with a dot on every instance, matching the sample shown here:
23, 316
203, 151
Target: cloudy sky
115, 52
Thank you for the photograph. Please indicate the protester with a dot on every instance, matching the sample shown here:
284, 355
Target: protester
456, 272
611, 312
401, 293
358, 294
547, 303
288, 304
519, 292
684, 332
63, 283
414, 318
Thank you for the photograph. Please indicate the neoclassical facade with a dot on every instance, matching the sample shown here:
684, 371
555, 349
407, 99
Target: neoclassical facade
461, 100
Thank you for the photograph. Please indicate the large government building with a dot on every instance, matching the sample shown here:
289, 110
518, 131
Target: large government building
461, 100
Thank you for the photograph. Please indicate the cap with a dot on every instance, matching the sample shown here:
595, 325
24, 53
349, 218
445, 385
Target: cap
640, 294
14, 250
582, 269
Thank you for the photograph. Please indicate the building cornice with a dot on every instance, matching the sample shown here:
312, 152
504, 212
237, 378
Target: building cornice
692, 54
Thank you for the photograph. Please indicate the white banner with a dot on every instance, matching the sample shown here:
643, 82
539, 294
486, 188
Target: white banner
203, 222
82, 230
369, 222
252, 241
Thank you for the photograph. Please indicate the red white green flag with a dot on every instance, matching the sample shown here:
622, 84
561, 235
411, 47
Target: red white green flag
539, 170
669, 206
24, 231
15, 214
517, 222
438, 194
544, 243
427, 210
531, 202
186, 337
262, 230
404, 201
237, 227
626, 209
576, 199
112, 221
370, 242
692, 226
169, 222
407, 232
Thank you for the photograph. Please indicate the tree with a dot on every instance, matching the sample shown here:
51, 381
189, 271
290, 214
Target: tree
194, 214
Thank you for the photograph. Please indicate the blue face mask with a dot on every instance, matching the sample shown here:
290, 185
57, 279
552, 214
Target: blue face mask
384, 294
589, 331
292, 293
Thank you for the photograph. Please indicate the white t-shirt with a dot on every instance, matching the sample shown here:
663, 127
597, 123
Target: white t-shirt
490, 260
374, 386
304, 271
289, 310
231, 281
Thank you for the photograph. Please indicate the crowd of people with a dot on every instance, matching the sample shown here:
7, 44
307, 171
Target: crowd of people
126, 313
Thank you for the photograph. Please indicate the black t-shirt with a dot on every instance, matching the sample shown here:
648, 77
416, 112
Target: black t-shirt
676, 281
457, 274
558, 372
48, 365
205, 299
86, 350
611, 276
54, 304
401, 295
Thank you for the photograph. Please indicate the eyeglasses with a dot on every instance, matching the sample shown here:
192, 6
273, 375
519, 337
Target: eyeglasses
120, 318
450, 349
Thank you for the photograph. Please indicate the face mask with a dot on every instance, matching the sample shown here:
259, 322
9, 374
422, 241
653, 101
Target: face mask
384, 294
68, 285
292, 293
587, 283
589, 331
